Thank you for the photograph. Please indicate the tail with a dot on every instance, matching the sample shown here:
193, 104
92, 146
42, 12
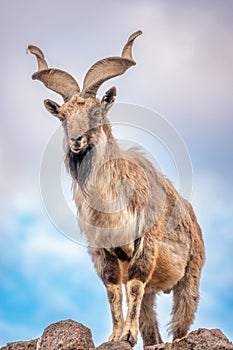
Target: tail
186, 291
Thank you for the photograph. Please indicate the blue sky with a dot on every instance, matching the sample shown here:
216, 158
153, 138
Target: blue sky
184, 71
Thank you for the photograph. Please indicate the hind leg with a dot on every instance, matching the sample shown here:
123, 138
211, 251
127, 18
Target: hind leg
147, 321
186, 297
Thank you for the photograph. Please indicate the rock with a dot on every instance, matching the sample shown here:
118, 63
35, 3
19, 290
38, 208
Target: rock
116, 345
202, 339
66, 335
71, 335
22, 345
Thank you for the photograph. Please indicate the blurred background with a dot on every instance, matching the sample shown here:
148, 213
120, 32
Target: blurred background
184, 71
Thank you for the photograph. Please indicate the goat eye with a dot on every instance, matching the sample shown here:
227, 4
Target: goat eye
97, 113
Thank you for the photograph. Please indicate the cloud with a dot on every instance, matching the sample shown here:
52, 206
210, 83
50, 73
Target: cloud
36, 241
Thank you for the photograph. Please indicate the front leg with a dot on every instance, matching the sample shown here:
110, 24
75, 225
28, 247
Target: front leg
114, 292
140, 270
135, 292
107, 267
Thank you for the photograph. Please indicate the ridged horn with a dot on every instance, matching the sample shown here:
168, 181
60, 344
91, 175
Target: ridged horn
108, 68
54, 79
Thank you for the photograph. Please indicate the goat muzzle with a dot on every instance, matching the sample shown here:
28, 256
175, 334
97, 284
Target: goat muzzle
78, 142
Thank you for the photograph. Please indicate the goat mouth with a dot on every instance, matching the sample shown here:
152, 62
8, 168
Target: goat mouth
75, 150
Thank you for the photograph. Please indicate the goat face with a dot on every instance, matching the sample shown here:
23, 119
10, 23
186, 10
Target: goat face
83, 119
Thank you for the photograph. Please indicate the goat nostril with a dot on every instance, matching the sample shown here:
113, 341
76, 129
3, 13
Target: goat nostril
78, 138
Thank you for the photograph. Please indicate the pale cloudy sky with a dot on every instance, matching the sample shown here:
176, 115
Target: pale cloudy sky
184, 72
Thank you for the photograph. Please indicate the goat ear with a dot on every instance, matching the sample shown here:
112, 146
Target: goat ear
53, 108
109, 98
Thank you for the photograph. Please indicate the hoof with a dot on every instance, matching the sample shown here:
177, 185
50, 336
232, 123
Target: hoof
129, 338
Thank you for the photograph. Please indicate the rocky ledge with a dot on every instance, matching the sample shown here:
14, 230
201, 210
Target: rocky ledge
71, 335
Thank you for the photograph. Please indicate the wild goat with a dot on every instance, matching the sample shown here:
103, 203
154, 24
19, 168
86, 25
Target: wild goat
141, 233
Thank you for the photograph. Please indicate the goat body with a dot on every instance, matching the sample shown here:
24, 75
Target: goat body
141, 232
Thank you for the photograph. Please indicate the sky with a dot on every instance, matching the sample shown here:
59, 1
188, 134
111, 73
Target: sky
184, 74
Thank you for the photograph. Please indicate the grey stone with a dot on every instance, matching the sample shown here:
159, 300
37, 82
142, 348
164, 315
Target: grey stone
66, 335
118, 345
